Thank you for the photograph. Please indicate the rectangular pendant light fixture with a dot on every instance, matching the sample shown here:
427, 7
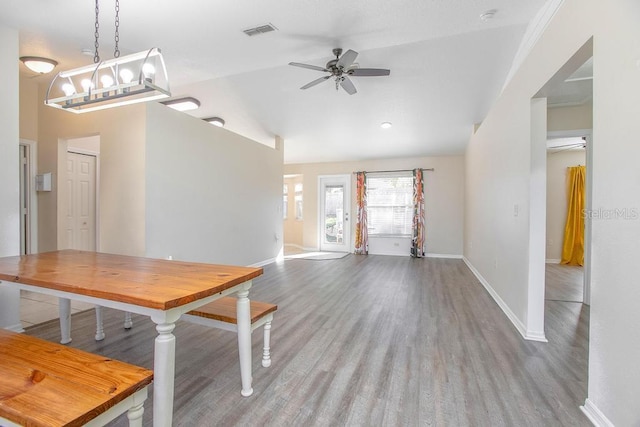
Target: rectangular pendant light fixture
130, 79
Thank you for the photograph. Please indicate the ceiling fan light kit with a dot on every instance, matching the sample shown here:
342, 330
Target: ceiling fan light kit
341, 69
38, 64
130, 79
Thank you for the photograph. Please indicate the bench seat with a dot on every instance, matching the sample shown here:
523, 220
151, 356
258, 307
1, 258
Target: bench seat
48, 384
221, 314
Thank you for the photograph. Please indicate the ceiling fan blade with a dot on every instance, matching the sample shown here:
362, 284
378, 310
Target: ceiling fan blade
369, 72
311, 67
347, 85
347, 59
315, 82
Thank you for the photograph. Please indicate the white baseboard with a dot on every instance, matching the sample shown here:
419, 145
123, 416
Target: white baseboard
15, 328
595, 415
451, 256
552, 261
302, 248
528, 335
263, 263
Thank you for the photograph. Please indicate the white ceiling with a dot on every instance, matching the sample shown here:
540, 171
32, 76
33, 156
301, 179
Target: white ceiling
447, 65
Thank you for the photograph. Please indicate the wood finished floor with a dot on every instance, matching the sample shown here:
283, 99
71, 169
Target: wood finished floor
564, 283
368, 341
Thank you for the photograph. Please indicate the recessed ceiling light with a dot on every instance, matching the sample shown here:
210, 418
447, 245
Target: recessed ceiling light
216, 121
489, 14
182, 104
39, 65
385, 125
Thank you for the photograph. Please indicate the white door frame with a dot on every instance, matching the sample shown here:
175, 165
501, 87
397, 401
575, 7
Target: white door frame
32, 202
588, 134
337, 179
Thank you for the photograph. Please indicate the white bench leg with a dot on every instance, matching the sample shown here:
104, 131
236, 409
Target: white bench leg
64, 309
266, 354
99, 324
128, 323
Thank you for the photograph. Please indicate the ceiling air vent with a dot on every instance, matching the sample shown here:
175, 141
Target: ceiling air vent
262, 29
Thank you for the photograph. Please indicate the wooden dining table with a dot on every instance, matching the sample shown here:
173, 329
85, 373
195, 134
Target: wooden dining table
160, 289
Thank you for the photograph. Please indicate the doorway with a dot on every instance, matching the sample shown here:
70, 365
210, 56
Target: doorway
28, 198
565, 149
334, 208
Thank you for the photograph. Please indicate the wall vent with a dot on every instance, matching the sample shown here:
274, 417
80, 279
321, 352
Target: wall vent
262, 29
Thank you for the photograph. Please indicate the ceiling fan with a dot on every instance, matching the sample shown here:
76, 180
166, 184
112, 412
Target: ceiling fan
341, 69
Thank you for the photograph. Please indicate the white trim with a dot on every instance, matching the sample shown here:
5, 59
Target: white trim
293, 245
33, 195
15, 328
528, 335
263, 263
531, 36
552, 261
595, 415
450, 256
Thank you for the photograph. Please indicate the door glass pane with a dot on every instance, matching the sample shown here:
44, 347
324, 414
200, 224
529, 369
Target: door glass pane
333, 213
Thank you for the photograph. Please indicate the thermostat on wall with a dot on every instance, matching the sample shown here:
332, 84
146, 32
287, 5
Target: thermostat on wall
43, 182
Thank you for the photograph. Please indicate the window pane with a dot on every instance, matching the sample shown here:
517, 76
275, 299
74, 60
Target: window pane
298, 200
333, 213
390, 205
285, 201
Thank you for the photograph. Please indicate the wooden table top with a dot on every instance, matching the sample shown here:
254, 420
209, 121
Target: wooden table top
146, 282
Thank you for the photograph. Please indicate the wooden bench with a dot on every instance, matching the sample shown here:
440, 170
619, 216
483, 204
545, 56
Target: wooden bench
48, 384
221, 314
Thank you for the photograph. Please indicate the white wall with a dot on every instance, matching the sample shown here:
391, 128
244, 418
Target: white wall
444, 201
557, 164
9, 187
496, 245
121, 176
211, 195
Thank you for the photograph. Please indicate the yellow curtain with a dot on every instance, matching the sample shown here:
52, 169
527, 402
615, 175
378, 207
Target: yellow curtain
573, 244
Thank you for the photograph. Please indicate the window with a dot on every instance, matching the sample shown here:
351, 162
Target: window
285, 201
390, 204
298, 201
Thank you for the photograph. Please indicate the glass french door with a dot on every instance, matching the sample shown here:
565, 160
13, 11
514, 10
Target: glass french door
334, 213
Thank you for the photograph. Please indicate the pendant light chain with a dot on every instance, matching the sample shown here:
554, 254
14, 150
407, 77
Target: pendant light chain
96, 56
116, 52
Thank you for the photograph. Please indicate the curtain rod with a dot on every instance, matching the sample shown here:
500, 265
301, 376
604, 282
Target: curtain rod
398, 170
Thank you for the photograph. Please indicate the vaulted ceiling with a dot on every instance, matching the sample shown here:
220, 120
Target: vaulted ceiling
447, 65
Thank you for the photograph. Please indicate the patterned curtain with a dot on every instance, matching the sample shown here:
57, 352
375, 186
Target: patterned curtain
417, 244
362, 235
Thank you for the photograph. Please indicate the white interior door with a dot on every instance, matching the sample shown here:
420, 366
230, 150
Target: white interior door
334, 211
80, 208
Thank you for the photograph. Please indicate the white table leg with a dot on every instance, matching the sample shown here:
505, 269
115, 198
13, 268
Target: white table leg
64, 309
135, 415
99, 324
244, 340
163, 374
